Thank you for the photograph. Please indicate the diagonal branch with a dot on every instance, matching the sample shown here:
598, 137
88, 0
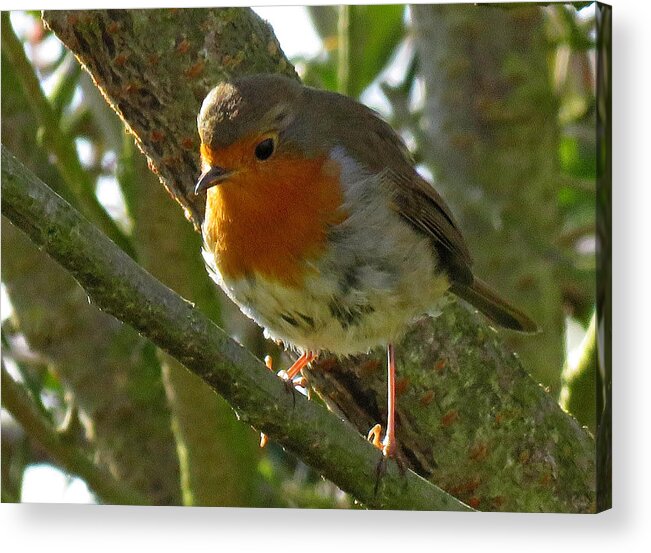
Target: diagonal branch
119, 286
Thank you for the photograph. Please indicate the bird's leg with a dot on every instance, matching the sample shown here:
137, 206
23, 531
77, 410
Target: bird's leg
389, 442
296, 368
388, 445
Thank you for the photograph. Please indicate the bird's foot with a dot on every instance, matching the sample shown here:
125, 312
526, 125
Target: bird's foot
389, 450
386, 446
297, 382
292, 376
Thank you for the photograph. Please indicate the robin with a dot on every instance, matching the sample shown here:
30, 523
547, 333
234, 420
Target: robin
318, 226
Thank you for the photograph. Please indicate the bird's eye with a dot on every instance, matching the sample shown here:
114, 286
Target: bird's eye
264, 149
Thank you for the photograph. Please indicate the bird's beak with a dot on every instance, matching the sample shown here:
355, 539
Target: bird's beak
211, 177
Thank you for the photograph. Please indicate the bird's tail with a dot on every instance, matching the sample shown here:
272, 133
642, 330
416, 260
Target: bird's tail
479, 295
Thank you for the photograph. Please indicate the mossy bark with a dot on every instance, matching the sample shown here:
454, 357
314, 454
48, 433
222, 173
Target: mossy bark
470, 418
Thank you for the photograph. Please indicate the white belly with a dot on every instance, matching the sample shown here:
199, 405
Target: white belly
317, 317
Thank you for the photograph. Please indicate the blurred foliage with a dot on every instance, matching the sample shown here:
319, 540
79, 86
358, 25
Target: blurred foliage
371, 35
573, 72
579, 379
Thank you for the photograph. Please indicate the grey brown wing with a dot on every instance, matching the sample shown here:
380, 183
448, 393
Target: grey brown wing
424, 208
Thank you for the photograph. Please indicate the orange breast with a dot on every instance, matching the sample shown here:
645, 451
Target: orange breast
271, 218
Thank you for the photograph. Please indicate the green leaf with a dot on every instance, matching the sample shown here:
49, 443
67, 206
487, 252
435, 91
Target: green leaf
321, 74
375, 31
578, 157
374, 34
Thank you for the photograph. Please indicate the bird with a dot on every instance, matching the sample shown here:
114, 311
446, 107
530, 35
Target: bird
318, 226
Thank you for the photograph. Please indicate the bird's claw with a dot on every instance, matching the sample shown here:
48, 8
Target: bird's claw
374, 436
386, 446
389, 451
264, 439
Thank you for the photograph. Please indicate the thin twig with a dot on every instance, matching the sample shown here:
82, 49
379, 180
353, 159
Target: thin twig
71, 458
343, 49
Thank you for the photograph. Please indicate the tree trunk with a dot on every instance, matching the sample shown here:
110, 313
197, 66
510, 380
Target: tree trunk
491, 135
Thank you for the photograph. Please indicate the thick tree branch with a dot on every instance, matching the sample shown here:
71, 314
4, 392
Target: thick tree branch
470, 417
116, 284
